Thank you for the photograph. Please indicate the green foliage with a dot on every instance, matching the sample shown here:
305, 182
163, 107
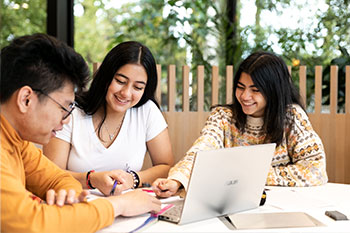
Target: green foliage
211, 38
200, 42
149, 27
92, 34
331, 42
186, 32
21, 17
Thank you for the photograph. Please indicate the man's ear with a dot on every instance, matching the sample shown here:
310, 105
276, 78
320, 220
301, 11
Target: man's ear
25, 97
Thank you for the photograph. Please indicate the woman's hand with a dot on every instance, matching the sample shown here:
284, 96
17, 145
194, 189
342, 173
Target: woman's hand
63, 197
104, 181
165, 187
134, 203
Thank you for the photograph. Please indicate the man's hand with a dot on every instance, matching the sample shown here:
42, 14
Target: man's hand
134, 203
63, 197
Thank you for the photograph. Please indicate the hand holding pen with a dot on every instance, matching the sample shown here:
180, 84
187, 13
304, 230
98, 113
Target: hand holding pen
116, 180
113, 188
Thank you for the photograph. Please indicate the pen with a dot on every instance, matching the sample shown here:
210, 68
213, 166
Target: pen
113, 189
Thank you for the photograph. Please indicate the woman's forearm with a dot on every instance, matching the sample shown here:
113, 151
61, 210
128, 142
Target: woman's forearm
151, 174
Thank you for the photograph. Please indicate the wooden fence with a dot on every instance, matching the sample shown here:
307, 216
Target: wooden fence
332, 127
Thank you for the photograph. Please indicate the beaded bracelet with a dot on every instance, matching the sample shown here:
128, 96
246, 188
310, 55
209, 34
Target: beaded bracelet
136, 178
88, 182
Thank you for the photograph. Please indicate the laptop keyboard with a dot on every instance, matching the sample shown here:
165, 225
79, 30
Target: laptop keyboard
176, 210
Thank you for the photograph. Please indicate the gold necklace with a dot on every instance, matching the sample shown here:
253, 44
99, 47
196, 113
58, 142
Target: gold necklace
112, 135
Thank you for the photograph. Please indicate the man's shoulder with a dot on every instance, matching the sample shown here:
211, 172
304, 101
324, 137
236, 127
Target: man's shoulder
79, 114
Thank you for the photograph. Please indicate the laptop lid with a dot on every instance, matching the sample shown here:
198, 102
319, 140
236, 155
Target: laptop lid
226, 181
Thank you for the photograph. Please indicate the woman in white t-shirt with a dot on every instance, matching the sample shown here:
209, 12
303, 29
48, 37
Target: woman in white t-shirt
117, 121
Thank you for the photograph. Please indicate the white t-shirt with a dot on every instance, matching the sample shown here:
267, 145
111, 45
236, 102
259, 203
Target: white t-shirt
128, 149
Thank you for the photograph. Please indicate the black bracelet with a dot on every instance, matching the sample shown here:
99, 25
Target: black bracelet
88, 182
136, 178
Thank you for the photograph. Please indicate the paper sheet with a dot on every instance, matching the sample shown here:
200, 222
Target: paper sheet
283, 199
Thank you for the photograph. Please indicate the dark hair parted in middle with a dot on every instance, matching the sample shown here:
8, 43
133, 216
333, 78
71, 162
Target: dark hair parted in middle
270, 75
130, 52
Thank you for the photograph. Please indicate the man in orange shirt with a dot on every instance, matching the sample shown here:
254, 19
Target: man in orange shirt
39, 76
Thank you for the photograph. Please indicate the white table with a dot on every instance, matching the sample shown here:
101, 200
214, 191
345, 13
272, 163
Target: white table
311, 200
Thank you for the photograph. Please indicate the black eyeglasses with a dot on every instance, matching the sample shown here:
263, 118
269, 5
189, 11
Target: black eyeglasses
68, 112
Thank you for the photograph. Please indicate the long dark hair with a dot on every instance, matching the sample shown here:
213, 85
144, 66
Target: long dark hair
130, 52
271, 76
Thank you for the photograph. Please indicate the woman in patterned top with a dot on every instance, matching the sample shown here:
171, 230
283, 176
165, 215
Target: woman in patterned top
266, 108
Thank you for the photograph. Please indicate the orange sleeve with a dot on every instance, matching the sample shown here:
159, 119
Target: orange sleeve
20, 213
42, 174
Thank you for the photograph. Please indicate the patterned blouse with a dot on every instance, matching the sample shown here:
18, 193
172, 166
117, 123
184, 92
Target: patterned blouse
299, 160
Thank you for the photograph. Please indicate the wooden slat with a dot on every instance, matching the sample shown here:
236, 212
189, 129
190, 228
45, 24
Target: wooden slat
214, 85
347, 149
229, 84
95, 67
347, 126
334, 90
337, 146
318, 89
316, 117
159, 90
184, 129
347, 89
185, 88
302, 83
200, 88
171, 88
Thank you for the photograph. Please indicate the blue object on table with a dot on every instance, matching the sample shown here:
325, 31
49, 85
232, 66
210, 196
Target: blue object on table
151, 219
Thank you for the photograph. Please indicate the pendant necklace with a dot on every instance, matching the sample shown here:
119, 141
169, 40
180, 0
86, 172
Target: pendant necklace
112, 135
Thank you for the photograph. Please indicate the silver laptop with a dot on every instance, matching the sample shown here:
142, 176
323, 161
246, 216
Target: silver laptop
222, 182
